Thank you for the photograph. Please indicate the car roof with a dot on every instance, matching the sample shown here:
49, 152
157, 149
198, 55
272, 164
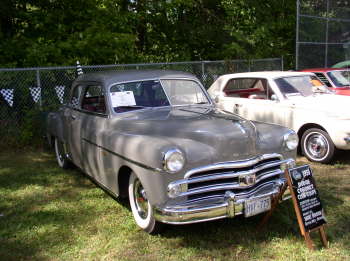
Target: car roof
110, 77
264, 74
324, 69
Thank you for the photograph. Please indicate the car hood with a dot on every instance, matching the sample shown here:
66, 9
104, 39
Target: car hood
204, 134
326, 103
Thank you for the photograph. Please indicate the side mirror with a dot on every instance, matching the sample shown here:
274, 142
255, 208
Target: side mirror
215, 96
274, 98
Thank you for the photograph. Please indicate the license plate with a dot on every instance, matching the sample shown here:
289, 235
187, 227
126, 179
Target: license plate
257, 206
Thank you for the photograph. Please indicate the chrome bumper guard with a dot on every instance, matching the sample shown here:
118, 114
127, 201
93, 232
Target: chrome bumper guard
231, 205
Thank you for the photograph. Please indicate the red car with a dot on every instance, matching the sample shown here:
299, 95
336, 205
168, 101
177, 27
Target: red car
336, 79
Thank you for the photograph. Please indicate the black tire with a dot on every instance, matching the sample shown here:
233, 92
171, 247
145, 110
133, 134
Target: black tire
141, 207
317, 146
61, 157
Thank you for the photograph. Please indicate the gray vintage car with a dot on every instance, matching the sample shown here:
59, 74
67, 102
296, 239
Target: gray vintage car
157, 138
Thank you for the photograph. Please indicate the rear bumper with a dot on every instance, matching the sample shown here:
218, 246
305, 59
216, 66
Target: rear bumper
227, 206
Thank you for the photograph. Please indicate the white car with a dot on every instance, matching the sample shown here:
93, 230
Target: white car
297, 100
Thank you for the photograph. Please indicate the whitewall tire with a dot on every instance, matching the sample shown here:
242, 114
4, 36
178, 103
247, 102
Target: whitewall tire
61, 157
141, 207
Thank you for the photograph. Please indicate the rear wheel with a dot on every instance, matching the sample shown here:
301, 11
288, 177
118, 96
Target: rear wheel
61, 156
317, 146
141, 207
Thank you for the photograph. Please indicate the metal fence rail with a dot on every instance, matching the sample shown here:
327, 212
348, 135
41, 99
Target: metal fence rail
27, 94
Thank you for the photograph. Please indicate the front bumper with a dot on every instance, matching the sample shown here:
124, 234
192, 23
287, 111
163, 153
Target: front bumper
217, 207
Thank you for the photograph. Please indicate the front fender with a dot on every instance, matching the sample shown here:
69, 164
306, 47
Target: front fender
55, 126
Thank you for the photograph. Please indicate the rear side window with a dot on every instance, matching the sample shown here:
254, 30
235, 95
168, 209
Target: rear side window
239, 84
94, 100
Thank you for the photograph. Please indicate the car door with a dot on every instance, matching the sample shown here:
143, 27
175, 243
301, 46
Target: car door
93, 122
254, 99
73, 118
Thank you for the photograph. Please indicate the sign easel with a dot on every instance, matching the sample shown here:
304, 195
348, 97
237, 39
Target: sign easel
306, 202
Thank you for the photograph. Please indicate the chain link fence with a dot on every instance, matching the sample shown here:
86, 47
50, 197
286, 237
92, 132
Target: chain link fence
28, 94
322, 33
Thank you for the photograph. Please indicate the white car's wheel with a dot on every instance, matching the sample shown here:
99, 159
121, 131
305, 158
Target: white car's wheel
317, 146
141, 207
62, 160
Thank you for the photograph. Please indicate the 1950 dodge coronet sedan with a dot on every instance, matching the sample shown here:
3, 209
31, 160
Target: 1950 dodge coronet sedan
156, 137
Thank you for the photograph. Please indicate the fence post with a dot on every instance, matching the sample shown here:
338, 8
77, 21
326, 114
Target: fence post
203, 72
38, 84
297, 37
282, 63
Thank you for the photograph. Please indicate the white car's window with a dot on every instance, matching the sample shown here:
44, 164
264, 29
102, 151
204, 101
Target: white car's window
250, 88
340, 78
184, 92
239, 84
305, 85
137, 95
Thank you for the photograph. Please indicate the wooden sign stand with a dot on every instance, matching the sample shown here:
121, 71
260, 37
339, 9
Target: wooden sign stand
305, 233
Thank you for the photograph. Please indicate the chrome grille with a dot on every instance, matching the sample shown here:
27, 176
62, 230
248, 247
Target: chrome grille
218, 178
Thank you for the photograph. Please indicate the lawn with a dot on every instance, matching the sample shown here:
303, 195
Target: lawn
47, 213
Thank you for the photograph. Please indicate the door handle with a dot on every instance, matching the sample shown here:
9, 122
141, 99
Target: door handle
73, 117
238, 105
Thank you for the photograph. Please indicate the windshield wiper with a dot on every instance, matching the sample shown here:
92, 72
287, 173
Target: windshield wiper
201, 103
131, 106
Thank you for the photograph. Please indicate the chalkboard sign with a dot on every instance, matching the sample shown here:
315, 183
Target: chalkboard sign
307, 198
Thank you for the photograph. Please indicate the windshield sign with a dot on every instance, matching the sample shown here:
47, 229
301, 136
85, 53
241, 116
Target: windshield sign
304, 85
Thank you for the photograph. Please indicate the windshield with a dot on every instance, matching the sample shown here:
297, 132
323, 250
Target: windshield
184, 92
304, 85
340, 78
147, 94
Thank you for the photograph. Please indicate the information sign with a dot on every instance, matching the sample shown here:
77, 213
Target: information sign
307, 197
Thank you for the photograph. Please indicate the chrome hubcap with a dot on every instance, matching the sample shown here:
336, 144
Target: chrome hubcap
317, 146
140, 198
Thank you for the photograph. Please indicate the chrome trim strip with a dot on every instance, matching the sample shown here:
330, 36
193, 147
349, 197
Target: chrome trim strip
122, 157
234, 164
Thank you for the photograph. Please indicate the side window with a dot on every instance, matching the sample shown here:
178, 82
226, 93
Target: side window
250, 88
239, 84
74, 100
94, 100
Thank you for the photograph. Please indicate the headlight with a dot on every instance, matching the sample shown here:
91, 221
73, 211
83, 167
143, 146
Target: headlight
173, 160
290, 140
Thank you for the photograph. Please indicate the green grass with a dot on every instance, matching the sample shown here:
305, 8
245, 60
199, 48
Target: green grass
47, 213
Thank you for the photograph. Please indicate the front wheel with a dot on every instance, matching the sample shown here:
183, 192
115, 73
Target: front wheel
61, 156
317, 146
141, 207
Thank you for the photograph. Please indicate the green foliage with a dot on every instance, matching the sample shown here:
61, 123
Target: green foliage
59, 32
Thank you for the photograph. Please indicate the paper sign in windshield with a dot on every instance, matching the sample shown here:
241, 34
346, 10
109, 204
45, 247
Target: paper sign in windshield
123, 99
